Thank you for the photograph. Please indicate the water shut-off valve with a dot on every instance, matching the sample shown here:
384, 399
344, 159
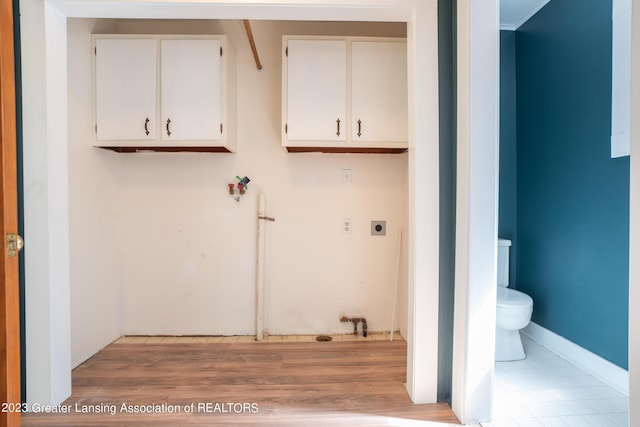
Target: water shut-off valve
241, 186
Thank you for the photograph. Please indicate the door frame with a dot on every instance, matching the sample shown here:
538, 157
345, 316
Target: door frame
45, 65
634, 225
10, 387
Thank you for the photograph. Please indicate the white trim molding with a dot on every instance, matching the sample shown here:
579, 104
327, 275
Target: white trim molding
602, 369
621, 79
634, 227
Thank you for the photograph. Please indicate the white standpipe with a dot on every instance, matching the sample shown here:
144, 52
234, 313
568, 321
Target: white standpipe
260, 269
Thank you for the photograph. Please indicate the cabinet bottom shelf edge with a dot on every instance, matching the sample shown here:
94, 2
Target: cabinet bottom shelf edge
161, 149
355, 150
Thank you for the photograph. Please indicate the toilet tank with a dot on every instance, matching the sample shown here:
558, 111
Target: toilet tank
503, 262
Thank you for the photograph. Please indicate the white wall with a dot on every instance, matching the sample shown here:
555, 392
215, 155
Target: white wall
187, 249
45, 201
93, 210
476, 210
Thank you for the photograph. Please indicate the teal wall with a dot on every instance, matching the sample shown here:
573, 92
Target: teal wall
447, 117
572, 220
507, 208
20, 182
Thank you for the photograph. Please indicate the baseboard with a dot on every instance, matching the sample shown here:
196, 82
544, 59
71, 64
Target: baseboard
602, 369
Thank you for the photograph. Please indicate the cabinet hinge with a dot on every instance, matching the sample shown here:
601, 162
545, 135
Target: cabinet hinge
95, 51
14, 244
96, 128
220, 50
286, 128
286, 51
220, 128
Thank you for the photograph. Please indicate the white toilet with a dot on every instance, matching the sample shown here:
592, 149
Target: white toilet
513, 313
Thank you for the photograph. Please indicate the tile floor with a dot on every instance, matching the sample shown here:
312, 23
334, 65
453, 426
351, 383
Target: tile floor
546, 390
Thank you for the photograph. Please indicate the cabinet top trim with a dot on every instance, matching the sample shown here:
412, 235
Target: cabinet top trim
346, 38
161, 36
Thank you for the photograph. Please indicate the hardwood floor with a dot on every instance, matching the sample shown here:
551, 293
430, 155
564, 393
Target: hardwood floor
338, 383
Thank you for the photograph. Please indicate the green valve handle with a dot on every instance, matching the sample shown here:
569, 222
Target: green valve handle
244, 181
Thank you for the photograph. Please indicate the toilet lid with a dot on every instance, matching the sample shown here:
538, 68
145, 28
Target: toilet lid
512, 298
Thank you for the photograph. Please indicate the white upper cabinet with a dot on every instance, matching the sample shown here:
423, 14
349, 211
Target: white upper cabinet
126, 70
164, 93
379, 92
317, 90
191, 90
344, 94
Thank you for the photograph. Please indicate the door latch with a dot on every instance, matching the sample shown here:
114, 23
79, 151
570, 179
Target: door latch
14, 244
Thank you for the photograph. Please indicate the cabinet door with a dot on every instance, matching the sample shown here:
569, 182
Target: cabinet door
379, 91
191, 90
125, 89
316, 90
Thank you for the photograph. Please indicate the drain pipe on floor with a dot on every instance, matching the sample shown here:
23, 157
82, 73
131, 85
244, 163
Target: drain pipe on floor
262, 217
355, 321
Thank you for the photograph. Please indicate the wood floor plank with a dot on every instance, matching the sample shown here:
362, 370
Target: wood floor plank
288, 383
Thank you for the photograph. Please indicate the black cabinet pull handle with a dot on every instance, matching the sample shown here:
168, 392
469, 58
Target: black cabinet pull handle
338, 125
146, 126
359, 127
168, 130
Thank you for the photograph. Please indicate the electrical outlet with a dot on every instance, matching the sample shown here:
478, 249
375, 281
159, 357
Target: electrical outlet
346, 176
346, 226
378, 228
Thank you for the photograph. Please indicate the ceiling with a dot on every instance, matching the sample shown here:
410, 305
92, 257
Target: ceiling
514, 13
